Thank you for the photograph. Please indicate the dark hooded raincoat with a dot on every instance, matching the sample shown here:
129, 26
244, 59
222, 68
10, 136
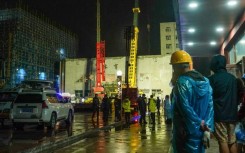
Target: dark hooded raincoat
225, 92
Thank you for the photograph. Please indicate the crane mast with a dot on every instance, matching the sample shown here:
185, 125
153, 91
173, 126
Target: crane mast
100, 55
133, 48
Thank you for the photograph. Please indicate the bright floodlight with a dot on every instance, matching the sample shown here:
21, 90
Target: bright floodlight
213, 43
119, 73
191, 30
193, 5
232, 3
219, 29
190, 43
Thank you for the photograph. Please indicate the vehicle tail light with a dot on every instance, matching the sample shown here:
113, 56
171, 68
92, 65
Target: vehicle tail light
44, 105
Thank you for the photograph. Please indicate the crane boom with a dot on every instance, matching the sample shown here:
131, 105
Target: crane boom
133, 48
100, 56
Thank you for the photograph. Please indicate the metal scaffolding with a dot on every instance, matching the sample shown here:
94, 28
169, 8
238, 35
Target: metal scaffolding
30, 45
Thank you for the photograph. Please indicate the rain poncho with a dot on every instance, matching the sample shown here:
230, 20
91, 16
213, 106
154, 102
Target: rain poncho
168, 109
192, 103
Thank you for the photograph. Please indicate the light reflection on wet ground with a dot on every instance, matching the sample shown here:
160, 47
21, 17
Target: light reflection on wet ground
12, 141
137, 138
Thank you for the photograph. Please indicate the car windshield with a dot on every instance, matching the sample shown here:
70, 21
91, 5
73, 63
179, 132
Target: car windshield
29, 98
7, 97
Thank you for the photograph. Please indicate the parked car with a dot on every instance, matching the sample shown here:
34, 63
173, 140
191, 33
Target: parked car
6, 100
43, 107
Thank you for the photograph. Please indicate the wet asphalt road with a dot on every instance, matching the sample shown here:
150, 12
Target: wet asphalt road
13, 141
137, 138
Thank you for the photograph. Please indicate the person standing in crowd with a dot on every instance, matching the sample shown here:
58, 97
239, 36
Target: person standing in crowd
152, 108
126, 107
96, 106
167, 110
158, 105
110, 106
142, 108
117, 105
193, 106
105, 105
225, 101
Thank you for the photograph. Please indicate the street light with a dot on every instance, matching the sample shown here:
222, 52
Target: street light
119, 87
119, 83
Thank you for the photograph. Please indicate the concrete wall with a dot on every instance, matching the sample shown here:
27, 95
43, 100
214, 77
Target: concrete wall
75, 70
153, 73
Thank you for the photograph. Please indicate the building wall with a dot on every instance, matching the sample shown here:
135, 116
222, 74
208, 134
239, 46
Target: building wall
32, 46
75, 70
153, 73
168, 38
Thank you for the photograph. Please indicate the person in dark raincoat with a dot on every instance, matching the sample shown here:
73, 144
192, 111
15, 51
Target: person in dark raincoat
105, 105
158, 105
117, 105
142, 108
192, 106
225, 100
96, 106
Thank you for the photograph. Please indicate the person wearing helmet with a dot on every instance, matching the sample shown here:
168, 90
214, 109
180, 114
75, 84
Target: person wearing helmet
192, 106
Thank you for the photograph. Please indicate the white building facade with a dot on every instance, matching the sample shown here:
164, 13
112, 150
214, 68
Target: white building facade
153, 74
168, 38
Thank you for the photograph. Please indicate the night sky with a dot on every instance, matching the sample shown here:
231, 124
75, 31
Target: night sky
80, 17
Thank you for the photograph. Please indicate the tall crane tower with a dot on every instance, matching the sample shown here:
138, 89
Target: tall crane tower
133, 48
100, 56
131, 89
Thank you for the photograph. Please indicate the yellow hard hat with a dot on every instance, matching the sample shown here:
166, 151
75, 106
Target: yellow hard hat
180, 56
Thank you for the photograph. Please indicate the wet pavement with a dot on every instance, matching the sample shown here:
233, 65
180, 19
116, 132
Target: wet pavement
13, 141
138, 138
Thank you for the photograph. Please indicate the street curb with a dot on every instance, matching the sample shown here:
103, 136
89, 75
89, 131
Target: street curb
57, 144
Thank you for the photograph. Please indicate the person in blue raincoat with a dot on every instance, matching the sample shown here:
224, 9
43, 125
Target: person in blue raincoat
192, 106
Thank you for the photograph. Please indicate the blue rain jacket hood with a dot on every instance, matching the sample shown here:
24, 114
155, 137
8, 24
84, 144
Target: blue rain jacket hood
192, 97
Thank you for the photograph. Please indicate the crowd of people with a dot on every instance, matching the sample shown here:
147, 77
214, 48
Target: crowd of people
198, 107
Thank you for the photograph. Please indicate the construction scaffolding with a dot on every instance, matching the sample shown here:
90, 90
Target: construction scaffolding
30, 45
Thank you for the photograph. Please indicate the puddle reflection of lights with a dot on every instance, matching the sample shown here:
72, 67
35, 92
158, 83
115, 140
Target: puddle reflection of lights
213, 43
193, 5
190, 43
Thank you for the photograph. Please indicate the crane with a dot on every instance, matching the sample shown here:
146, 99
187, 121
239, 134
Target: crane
100, 57
131, 89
